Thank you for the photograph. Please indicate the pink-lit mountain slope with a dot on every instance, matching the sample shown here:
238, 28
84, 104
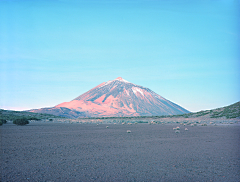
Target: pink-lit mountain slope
116, 98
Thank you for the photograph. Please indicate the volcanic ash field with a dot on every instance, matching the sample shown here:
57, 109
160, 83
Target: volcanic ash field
116, 152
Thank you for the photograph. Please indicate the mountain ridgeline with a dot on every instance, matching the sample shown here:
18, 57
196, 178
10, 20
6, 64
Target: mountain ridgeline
116, 98
228, 112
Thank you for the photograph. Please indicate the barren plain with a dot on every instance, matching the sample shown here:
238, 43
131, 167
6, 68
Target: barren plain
48, 151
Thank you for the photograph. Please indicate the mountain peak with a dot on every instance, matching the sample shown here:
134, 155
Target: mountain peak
117, 98
121, 79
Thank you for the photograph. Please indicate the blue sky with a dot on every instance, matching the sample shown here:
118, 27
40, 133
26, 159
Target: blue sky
55, 50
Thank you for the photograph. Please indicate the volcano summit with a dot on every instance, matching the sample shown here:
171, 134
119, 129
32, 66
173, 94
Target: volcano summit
116, 98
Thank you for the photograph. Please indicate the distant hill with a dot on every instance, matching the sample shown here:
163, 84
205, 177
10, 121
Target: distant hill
228, 112
11, 115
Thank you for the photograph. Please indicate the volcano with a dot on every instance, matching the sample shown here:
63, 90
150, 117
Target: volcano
116, 98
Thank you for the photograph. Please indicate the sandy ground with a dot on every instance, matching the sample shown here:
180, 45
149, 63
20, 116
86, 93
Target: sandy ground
87, 152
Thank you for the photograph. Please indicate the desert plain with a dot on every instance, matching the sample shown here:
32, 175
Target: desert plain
59, 151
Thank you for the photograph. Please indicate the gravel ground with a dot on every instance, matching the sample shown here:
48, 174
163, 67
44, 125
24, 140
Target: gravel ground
87, 152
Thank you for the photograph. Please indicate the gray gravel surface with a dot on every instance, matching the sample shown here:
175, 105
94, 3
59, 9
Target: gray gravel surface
87, 152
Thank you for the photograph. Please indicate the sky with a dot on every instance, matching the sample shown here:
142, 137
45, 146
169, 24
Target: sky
52, 51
